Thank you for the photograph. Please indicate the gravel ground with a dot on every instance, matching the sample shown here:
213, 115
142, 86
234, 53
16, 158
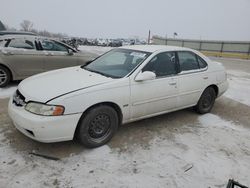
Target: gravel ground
179, 149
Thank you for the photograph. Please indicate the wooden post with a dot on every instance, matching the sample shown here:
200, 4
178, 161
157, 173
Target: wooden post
200, 46
166, 41
248, 51
222, 45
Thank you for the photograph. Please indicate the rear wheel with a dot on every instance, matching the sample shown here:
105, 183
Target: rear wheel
206, 101
98, 126
5, 76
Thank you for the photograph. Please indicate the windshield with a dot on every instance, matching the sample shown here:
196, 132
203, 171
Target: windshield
117, 63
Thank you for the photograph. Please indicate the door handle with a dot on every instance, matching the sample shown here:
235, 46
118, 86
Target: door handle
205, 77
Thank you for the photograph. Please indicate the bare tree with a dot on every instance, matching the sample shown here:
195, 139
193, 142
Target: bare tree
26, 25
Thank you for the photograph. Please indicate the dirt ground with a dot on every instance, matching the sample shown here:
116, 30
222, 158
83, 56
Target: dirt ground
128, 139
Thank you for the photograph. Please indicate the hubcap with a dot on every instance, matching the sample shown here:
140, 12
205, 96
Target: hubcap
3, 76
99, 126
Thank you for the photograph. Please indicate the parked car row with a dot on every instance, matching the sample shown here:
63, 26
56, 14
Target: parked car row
75, 42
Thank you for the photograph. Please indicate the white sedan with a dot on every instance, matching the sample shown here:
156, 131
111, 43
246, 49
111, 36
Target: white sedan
124, 85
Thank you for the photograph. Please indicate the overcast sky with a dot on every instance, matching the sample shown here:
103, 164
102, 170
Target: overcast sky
195, 19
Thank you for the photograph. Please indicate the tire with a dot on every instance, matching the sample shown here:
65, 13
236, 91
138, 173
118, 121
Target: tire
5, 76
206, 101
98, 126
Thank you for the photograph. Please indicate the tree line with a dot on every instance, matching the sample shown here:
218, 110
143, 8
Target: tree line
28, 26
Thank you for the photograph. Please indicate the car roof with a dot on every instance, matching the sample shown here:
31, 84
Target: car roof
11, 36
16, 33
154, 48
33, 37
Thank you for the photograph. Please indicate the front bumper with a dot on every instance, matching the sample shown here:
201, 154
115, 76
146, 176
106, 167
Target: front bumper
43, 128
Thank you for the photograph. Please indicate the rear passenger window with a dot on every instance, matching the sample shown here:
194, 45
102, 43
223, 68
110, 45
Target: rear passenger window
188, 61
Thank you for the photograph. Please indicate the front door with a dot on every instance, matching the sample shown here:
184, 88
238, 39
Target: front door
156, 96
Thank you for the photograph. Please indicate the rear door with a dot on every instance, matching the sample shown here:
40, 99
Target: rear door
193, 78
22, 56
57, 55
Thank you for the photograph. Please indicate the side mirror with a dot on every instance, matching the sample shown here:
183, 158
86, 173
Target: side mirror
70, 52
143, 76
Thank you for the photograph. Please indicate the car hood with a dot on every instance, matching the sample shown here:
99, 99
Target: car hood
46, 86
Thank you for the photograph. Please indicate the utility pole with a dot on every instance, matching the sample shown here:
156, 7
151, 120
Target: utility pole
149, 36
166, 40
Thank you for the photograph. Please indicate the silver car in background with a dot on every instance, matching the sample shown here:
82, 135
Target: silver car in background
24, 55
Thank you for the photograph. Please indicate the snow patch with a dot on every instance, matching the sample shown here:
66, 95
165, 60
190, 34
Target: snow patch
239, 89
210, 120
238, 73
7, 91
206, 155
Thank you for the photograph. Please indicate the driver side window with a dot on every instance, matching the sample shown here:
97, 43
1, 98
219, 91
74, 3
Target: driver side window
163, 64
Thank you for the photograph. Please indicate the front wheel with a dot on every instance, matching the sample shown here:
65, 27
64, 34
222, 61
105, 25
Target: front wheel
206, 101
98, 126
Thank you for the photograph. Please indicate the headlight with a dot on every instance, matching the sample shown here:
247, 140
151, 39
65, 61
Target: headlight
44, 109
